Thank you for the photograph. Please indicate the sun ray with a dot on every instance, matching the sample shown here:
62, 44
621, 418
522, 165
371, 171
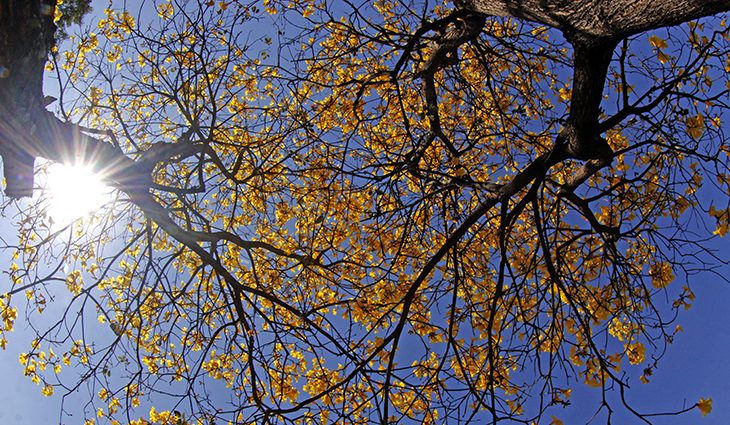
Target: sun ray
74, 191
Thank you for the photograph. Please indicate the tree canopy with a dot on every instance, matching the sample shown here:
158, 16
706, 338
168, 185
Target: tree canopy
385, 211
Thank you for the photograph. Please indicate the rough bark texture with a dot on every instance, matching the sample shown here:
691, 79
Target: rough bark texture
601, 18
26, 35
594, 27
590, 65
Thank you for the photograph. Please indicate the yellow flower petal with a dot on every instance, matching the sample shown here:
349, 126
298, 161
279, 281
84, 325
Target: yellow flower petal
705, 406
657, 42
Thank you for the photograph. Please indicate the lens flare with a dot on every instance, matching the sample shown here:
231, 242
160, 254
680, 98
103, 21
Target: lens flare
74, 191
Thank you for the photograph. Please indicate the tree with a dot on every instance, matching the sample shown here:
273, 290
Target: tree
384, 211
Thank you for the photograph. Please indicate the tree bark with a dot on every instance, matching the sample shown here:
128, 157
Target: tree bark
26, 36
594, 27
601, 18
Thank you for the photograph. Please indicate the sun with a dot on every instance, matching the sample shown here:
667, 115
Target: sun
74, 191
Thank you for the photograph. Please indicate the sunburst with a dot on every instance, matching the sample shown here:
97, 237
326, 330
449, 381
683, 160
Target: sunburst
74, 191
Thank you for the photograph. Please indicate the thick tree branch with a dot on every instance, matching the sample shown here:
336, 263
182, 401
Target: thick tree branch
581, 134
594, 27
601, 18
26, 36
445, 48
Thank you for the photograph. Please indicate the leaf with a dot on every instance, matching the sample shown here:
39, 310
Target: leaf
165, 10
564, 94
705, 406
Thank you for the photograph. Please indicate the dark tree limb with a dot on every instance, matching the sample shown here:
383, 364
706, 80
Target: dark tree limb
26, 37
445, 47
601, 18
594, 27
581, 135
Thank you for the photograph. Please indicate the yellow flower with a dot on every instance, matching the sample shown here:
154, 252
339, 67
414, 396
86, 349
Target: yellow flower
695, 126
635, 352
165, 10
661, 274
47, 391
705, 406
657, 42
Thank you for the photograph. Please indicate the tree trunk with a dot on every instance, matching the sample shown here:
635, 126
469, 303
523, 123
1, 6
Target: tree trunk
26, 36
601, 18
27, 129
594, 27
